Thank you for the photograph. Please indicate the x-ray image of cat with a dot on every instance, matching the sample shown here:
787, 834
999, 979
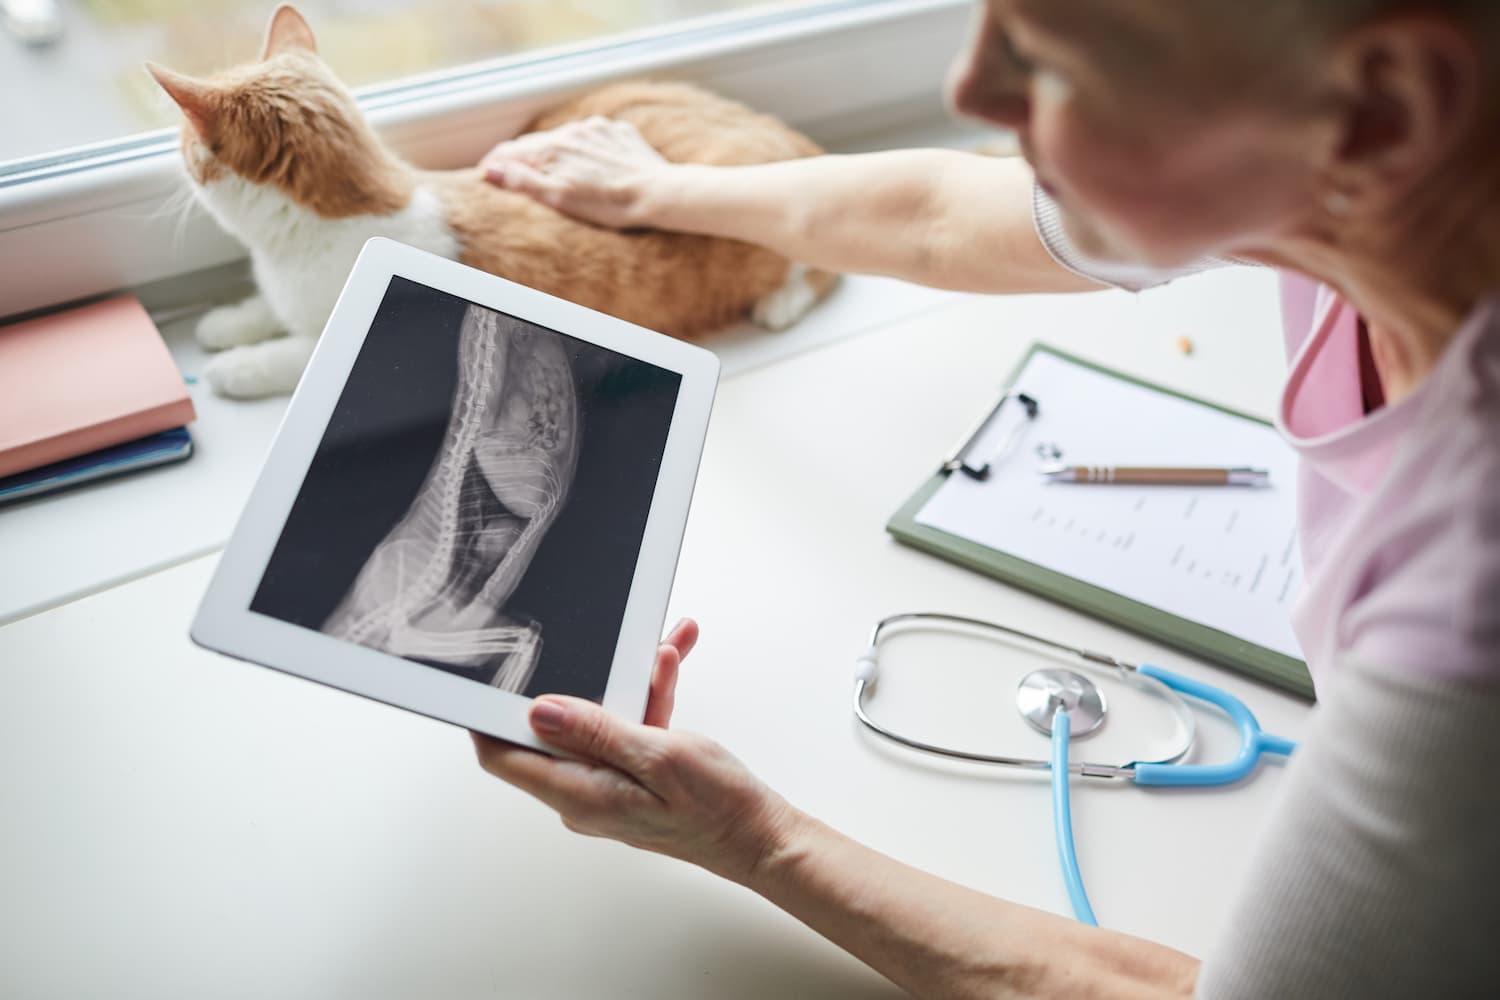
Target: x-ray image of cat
281, 156
436, 586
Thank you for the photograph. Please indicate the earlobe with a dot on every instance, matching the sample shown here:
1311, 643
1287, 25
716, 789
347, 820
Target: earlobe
288, 30
196, 98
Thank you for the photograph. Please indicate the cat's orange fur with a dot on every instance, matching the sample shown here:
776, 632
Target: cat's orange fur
287, 121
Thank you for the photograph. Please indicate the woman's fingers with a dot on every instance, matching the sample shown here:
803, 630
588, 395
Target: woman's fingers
684, 636
531, 771
515, 175
541, 150
594, 170
532, 148
574, 788
663, 686
679, 642
585, 729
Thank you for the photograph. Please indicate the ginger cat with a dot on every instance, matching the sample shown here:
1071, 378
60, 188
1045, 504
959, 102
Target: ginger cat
280, 155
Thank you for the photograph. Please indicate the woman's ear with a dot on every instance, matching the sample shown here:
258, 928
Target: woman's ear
288, 30
1408, 91
199, 101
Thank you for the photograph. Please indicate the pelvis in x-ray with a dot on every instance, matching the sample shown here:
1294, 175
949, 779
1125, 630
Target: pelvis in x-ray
435, 587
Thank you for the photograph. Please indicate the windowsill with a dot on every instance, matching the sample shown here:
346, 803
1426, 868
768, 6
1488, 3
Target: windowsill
93, 220
99, 535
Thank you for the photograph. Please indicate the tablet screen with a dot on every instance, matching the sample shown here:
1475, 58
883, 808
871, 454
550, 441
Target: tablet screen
478, 499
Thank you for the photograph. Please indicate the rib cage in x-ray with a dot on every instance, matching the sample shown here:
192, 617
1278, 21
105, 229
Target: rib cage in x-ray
435, 587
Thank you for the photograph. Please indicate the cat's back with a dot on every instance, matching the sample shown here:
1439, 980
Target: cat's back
677, 283
687, 124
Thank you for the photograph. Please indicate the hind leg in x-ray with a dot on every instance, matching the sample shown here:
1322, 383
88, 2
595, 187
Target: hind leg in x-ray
435, 587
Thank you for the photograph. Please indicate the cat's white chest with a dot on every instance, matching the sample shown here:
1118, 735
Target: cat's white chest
301, 259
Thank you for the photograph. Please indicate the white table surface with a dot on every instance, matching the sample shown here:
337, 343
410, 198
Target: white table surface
178, 824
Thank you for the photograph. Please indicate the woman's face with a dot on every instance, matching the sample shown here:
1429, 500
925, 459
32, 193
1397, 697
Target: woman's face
1154, 141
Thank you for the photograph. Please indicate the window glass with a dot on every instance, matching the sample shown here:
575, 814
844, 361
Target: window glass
71, 70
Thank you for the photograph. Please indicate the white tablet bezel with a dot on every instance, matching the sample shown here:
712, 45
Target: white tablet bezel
224, 621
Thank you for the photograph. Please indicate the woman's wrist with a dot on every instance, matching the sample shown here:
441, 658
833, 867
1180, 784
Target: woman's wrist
762, 838
785, 836
665, 197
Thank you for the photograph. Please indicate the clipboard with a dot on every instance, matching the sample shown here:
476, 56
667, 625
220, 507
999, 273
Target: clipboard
994, 462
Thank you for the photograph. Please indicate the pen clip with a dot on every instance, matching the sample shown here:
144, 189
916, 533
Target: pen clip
958, 460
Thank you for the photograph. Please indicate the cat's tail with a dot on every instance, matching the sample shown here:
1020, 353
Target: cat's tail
803, 288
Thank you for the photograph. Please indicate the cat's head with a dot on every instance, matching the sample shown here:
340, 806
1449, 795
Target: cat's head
281, 129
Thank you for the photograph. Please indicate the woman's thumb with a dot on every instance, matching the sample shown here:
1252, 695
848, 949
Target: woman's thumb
583, 728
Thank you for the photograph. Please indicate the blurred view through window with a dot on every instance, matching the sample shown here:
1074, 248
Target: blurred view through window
70, 70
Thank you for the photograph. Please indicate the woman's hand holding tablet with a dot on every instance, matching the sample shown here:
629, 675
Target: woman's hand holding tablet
477, 497
677, 794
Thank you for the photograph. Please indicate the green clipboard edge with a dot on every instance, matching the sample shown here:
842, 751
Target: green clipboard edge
1286, 672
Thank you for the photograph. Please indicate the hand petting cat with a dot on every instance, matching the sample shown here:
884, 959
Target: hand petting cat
596, 170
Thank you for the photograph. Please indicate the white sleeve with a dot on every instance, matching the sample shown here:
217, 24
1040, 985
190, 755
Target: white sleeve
1047, 219
1378, 876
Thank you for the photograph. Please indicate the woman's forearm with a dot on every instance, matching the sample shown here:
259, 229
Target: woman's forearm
937, 217
937, 939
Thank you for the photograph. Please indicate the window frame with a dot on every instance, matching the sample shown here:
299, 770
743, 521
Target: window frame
91, 220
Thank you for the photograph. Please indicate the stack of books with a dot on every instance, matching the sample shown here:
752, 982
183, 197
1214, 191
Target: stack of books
87, 393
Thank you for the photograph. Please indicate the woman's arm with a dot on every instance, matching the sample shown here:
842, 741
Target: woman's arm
937, 939
938, 217
685, 796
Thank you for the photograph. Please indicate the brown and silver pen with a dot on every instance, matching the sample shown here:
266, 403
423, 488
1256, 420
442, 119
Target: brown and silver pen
1156, 475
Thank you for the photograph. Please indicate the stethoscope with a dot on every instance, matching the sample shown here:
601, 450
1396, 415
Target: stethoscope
1062, 704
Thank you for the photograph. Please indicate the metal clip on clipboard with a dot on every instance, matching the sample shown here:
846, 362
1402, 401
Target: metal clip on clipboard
958, 461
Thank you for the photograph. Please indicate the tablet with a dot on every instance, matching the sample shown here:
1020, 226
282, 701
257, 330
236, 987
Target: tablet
477, 496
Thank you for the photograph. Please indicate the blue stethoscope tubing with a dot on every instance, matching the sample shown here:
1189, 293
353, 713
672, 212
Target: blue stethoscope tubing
1254, 741
1062, 821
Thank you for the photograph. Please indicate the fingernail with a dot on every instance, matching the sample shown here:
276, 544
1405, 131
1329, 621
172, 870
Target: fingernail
494, 174
548, 717
680, 622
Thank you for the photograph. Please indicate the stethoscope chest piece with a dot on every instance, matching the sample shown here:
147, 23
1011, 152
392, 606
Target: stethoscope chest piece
1042, 692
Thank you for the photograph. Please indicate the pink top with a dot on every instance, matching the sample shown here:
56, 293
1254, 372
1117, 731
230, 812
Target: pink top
1399, 510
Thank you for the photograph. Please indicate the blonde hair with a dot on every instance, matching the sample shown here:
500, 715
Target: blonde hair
1281, 21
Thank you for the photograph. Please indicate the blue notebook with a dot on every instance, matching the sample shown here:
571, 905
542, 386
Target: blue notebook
142, 453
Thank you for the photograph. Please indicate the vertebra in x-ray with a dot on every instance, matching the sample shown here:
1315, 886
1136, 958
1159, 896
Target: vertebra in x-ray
435, 587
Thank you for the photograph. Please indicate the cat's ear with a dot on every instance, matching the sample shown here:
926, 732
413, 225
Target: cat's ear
199, 101
288, 30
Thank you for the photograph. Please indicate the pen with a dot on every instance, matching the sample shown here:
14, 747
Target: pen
1156, 475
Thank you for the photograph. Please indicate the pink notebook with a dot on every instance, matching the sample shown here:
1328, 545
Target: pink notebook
83, 379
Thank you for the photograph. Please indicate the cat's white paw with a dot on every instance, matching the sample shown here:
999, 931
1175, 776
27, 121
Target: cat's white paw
269, 369
786, 305
247, 322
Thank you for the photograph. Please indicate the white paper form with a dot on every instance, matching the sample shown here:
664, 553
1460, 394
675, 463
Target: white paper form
1223, 556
